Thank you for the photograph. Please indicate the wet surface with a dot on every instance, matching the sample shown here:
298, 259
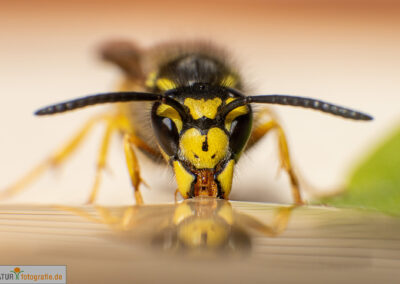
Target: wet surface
204, 241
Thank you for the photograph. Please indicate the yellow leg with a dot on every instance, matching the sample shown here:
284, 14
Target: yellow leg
101, 160
259, 132
117, 123
53, 161
133, 165
114, 123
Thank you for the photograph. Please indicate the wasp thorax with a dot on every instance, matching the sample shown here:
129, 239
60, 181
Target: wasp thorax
204, 151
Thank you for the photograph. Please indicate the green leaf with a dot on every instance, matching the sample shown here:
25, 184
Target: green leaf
375, 184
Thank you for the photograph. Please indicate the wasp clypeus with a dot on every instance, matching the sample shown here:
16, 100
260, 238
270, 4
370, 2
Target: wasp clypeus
200, 116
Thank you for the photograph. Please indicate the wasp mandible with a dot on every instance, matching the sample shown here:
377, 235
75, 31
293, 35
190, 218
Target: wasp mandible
195, 101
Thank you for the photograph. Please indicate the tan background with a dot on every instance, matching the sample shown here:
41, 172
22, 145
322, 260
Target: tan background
345, 52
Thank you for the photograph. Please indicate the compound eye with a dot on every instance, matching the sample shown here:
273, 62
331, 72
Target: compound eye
166, 133
240, 132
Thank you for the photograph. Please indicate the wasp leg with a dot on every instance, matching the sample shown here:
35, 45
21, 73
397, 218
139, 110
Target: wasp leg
259, 132
122, 124
101, 160
53, 161
133, 165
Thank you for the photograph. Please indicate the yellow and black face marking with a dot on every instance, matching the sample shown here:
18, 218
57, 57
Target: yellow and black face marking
200, 118
202, 145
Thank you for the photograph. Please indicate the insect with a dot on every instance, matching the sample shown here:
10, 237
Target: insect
187, 103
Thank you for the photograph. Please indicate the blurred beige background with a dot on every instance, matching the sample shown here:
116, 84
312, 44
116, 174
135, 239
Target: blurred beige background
345, 52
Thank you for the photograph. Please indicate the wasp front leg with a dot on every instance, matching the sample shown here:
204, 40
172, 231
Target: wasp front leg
114, 123
133, 165
120, 123
264, 128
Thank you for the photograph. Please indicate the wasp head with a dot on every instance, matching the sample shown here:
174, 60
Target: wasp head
201, 140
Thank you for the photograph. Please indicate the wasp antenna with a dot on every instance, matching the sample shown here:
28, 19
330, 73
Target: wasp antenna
169, 100
294, 101
98, 99
310, 103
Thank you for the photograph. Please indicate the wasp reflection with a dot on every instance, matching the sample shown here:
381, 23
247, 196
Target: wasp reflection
202, 224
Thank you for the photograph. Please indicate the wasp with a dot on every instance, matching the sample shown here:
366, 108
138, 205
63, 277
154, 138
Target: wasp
186, 103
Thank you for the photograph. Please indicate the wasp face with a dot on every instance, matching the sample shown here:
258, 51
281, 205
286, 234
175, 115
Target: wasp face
201, 144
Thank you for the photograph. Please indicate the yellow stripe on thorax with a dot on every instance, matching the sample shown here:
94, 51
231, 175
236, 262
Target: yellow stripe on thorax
229, 81
163, 84
200, 108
